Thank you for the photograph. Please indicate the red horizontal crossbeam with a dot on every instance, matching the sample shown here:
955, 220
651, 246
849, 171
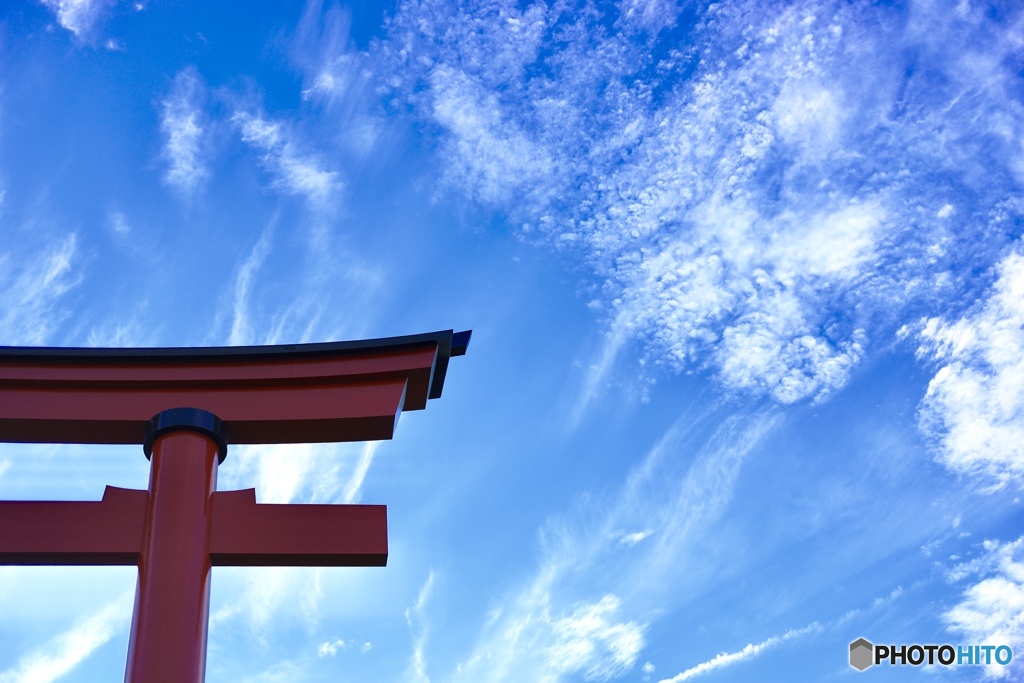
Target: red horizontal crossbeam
247, 534
71, 533
244, 533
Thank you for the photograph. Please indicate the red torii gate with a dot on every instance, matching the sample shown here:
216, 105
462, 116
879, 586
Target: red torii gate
183, 405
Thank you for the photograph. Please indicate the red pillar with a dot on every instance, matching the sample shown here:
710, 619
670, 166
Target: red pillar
172, 600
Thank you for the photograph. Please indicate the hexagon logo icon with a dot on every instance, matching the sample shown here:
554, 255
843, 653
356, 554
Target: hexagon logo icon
862, 654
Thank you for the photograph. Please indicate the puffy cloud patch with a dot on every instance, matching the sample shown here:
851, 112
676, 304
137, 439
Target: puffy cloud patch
991, 611
974, 407
77, 16
331, 648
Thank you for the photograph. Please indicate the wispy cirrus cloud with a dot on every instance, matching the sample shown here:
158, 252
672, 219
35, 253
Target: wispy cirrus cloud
419, 628
294, 171
339, 81
973, 411
241, 331
991, 611
67, 650
594, 642
31, 289
184, 124
733, 197
564, 621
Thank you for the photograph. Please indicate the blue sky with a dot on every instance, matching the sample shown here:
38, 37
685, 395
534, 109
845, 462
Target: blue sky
747, 293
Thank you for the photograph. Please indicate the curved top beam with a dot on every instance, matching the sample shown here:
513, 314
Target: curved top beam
293, 393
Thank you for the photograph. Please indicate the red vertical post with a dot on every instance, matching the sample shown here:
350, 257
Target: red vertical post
172, 599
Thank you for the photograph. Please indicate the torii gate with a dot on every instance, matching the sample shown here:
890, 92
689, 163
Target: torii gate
183, 405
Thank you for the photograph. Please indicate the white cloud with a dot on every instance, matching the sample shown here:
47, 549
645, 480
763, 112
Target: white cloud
419, 628
287, 473
651, 15
749, 652
973, 410
535, 642
807, 115
591, 642
758, 205
593, 379
183, 124
991, 611
118, 223
634, 537
494, 157
294, 172
334, 69
837, 244
340, 84
66, 651
77, 16
353, 487
241, 331
331, 648
31, 289
122, 331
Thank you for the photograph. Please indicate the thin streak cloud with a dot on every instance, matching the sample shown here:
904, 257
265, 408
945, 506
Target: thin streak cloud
419, 629
64, 652
749, 652
241, 329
